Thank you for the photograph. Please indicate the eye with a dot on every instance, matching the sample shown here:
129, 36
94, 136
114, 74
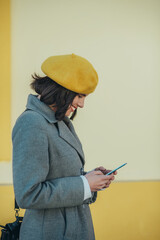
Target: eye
81, 95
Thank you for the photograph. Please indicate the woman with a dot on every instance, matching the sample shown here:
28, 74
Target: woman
48, 160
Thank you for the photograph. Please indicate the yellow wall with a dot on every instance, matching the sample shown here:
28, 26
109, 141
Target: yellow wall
128, 211
5, 73
125, 211
124, 50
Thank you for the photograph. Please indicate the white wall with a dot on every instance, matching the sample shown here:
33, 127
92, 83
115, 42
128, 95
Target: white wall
120, 122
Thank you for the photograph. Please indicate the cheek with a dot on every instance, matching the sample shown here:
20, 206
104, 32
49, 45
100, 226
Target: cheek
75, 101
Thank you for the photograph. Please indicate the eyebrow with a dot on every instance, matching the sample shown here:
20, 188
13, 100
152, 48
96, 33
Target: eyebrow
83, 94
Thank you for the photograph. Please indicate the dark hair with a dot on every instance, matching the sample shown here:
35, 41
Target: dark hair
53, 94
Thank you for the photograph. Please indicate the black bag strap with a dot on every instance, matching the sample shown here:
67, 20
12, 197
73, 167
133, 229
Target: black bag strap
17, 209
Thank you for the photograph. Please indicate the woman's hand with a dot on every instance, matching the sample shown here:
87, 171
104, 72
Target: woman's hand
104, 170
97, 180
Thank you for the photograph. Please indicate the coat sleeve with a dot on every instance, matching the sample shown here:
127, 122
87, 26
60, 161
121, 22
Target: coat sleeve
30, 169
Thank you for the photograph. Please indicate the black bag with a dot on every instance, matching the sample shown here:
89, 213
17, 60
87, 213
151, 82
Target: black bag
11, 230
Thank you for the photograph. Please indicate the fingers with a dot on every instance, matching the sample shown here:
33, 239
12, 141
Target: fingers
106, 185
97, 172
106, 180
107, 171
112, 177
109, 177
104, 177
97, 180
102, 169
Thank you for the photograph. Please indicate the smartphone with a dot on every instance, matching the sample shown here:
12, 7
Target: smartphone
116, 169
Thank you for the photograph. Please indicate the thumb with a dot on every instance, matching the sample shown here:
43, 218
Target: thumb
98, 173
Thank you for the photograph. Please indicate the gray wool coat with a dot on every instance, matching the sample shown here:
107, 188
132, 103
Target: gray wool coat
47, 163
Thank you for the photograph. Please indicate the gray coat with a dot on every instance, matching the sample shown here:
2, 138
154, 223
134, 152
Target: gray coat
47, 163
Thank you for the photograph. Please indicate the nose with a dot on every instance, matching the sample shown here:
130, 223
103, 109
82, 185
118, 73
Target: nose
81, 102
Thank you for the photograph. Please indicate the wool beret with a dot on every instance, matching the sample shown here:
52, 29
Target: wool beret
72, 72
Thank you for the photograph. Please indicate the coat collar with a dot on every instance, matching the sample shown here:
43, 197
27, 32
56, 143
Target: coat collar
65, 128
36, 105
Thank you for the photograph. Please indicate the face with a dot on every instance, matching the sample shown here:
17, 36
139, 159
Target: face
78, 101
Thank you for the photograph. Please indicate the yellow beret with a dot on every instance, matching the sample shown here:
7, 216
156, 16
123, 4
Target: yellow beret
72, 72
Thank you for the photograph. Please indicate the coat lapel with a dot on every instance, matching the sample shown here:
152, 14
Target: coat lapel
68, 134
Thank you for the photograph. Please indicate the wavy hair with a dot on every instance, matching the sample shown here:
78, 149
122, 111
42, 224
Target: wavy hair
51, 93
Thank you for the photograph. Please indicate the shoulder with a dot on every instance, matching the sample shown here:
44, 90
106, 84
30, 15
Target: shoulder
31, 119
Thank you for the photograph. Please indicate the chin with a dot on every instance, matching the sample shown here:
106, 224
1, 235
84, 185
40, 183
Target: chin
67, 114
